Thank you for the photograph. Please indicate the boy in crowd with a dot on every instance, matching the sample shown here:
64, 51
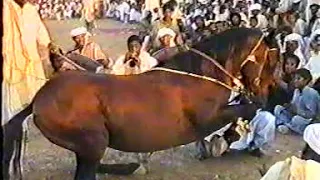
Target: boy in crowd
304, 107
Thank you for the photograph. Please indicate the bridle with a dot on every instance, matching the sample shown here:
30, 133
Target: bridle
237, 81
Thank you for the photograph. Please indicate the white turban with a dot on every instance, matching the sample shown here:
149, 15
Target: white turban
255, 6
78, 31
166, 31
296, 1
311, 136
295, 37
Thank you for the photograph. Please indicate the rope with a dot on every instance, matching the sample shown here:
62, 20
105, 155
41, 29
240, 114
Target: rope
234, 79
68, 60
198, 76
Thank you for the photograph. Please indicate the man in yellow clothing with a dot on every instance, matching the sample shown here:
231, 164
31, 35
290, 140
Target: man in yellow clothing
25, 52
88, 14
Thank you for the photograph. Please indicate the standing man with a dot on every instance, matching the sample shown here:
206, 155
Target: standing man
88, 14
25, 51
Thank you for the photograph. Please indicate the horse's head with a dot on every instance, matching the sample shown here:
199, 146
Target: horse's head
257, 70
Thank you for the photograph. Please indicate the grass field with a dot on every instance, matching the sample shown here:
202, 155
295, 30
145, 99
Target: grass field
45, 160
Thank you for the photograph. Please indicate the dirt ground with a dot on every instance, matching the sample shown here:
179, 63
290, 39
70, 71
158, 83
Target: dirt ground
44, 160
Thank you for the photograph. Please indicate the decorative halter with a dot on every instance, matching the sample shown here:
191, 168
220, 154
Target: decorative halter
239, 85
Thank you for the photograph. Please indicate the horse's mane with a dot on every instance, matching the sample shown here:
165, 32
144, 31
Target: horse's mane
220, 47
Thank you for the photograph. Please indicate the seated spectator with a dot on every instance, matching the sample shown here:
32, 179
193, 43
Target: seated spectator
293, 168
86, 47
253, 22
135, 61
285, 31
284, 89
255, 9
314, 21
165, 22
298, 25
123, 11
313, 64
166, 37
303, 108
294, 44
311, 136
198, 27
134, 15
235, 20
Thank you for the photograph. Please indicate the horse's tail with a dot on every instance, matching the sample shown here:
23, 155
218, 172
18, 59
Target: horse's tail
13, 133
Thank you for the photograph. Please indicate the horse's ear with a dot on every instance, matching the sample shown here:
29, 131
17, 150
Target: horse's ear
270, 38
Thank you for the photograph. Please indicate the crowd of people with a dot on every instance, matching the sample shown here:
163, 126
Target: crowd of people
59, 9
293, 105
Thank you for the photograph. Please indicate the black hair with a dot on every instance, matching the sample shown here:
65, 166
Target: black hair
235, 14
198, 17
305, 73
133, 38
315, 5
167, 6
287, 56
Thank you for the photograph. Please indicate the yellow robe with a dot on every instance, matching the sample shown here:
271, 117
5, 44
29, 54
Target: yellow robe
25, 50
88, 11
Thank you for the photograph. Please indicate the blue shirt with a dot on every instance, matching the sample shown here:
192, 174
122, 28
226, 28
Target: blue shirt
307, 102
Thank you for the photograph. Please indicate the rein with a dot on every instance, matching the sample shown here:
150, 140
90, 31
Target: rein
69, 61
235, 80
197, 76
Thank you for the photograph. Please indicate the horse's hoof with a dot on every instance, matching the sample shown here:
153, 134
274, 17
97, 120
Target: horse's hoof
141, 170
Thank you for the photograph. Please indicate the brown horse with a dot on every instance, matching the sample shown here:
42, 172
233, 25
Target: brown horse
122, 112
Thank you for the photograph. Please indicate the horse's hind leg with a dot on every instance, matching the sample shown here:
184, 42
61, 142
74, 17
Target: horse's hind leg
89, 154
86, 169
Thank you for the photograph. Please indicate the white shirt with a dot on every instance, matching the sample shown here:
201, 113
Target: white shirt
300, 27
262, 21
284, 6
313, 66
146, 63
